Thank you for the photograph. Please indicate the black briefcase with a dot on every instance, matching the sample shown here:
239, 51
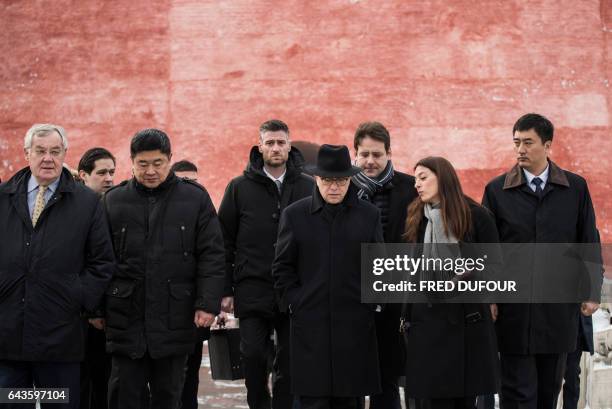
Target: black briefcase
224, 353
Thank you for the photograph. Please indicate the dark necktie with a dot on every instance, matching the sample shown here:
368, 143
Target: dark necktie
538, 185
278, 185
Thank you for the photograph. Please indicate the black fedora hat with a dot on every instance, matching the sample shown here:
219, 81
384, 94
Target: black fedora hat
333, 161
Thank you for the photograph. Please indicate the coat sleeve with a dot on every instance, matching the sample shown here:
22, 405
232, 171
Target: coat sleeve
378, 237
229, 218
284, 267
592, 258
487, 199
210, 259
99, 261
486, 234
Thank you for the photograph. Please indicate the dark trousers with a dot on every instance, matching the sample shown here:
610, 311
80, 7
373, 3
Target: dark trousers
189, 397
451, 403
22, 374
129, 377
571, 387
531, 381
389, 397
95, 371
328, 403
257, 349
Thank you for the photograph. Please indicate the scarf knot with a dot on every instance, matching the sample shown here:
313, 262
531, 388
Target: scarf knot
368, 186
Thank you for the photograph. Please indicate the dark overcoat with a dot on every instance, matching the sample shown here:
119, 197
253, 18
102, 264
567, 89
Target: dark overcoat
317, 274
390, 340
450, 352
564, 214
170, 259
51, 272
249, 214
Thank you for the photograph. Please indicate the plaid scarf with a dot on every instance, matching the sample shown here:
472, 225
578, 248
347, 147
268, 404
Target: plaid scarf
368, 187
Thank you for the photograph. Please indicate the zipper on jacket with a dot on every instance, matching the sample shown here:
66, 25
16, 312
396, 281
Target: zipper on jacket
122, 242
185, 253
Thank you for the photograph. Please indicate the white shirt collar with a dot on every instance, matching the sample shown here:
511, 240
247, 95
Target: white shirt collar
544, 176
281, 178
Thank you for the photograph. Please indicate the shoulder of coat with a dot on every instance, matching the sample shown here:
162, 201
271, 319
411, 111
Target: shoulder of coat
240, 180
575, 178
403, 176
298, 205
192, 184
117, 187
497, 182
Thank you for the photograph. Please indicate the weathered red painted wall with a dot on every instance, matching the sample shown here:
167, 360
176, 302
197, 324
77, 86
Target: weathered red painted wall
447, 77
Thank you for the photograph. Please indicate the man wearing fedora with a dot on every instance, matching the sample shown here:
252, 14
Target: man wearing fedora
334, 356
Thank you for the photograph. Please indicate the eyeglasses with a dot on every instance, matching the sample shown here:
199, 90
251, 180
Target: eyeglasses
338, 181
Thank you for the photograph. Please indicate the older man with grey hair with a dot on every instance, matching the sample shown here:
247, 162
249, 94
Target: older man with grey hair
56, 259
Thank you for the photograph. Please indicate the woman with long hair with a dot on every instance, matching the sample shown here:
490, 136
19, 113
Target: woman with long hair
451, 347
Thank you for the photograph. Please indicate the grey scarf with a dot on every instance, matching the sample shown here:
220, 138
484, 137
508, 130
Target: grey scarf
436, 243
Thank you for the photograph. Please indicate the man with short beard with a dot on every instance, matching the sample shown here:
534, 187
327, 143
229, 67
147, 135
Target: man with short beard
249, 215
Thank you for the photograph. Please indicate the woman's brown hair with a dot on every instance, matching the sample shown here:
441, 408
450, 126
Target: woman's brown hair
454, 205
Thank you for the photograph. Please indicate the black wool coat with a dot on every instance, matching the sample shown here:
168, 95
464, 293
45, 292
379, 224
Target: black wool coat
317, 273
50, 273
170, 259
401, 193
449, 355
563, 215
249, 214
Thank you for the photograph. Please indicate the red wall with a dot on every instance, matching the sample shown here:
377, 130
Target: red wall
447, 78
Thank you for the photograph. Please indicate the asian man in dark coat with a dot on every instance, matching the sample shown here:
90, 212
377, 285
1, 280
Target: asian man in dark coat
538, 202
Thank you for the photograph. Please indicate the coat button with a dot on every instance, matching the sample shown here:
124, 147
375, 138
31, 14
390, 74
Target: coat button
115, 291
275, 216
27, 243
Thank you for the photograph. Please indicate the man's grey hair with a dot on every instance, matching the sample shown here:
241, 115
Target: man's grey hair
44, 130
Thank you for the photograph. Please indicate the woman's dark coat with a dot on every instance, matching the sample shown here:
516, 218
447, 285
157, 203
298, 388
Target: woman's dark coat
50, 273
317, 273
390, 342
449, 352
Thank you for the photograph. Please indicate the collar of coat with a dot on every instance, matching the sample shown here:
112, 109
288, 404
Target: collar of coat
515, 177
254, 169
163, 186
20, 180
350, 199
